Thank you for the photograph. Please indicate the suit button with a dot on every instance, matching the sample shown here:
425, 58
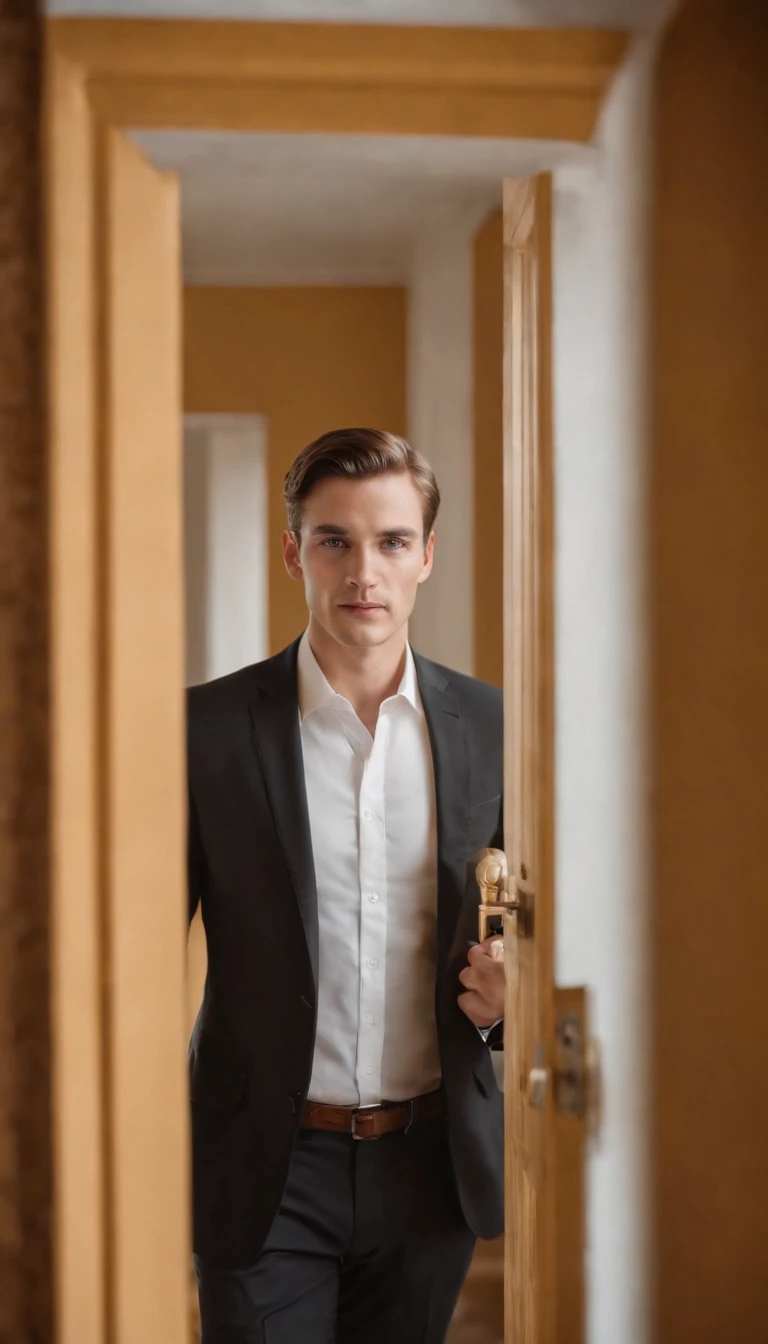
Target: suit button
297, 1100
306, 1002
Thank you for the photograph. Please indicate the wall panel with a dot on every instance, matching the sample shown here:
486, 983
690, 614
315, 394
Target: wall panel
309, 360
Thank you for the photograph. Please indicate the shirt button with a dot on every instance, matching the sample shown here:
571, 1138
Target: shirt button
369, 1071
370, 1021
368, 814
373, 897
373, 962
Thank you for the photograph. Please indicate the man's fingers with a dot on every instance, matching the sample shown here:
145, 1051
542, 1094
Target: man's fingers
483, 982
476, 1009
480, 976
492, 948
479, 953
471, 1005
482, 971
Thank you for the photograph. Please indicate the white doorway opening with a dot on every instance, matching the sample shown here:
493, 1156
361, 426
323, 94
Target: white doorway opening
225, 531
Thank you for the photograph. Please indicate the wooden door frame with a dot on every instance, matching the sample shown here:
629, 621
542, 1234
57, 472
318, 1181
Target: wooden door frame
532, 1262
108, 75
114, 559
522, 83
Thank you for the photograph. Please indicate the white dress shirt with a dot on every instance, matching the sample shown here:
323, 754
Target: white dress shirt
374, 837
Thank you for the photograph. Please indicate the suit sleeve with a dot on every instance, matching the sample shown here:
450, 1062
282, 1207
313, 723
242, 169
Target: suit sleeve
495, 1038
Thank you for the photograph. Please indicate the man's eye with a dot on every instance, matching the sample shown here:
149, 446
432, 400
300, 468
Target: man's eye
333, 543
394, 543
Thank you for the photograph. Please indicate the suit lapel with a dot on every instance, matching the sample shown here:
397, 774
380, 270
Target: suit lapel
450, 757
276, 743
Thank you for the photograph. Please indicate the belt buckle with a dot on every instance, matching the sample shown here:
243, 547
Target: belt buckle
362, 1110
370, 1138
360, 1138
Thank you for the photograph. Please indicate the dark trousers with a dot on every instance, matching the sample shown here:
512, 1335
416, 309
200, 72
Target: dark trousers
369, 1246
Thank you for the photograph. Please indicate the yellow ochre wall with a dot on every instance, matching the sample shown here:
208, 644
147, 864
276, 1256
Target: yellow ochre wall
309, 359
488, 470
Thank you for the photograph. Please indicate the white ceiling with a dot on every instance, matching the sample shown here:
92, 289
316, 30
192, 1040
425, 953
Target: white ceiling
318, 209
332, 209
635, 14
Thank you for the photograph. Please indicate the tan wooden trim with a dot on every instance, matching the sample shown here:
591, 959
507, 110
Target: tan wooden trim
530, 1286
543, 780
118, 1020
519, 202
143, 746
80, 1254
516, 83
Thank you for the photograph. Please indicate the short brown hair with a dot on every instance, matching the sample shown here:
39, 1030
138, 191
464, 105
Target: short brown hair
358, 453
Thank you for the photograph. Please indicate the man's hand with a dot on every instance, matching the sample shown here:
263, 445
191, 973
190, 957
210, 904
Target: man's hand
483, 981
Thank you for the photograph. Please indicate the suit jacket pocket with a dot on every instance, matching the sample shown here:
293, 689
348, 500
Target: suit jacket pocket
217, 1087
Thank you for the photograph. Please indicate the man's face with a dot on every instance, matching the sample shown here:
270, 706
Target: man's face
362, 556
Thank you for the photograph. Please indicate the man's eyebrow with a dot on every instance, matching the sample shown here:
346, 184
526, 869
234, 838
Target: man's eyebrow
333, 530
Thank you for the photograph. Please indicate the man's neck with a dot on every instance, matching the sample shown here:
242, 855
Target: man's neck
365, 677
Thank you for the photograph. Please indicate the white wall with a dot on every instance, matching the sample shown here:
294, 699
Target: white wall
440, 427
225, 515
493, 13
600, 434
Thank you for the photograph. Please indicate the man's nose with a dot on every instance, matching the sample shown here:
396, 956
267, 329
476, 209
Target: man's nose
361, 573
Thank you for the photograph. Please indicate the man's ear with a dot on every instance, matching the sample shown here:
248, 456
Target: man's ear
292, 554
429, 555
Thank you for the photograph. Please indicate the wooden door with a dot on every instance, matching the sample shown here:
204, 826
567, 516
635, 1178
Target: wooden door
708, 497
530, 1287
121, 1164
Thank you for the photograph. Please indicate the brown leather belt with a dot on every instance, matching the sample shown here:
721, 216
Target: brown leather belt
372, 1122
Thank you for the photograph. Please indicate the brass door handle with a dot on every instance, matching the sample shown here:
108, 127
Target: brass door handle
492, 873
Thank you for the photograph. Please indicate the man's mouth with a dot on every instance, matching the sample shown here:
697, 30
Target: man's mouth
362, 606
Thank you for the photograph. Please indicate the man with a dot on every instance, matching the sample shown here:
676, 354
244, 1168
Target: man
346, 1123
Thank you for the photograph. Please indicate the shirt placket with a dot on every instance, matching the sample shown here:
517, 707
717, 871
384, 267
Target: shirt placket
373, 918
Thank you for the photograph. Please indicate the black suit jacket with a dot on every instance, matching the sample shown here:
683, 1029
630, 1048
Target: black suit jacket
251, 867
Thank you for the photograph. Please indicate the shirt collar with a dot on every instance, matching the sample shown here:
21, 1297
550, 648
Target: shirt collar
315, 690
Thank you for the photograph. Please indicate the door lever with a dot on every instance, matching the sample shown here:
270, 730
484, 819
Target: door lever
492, 873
